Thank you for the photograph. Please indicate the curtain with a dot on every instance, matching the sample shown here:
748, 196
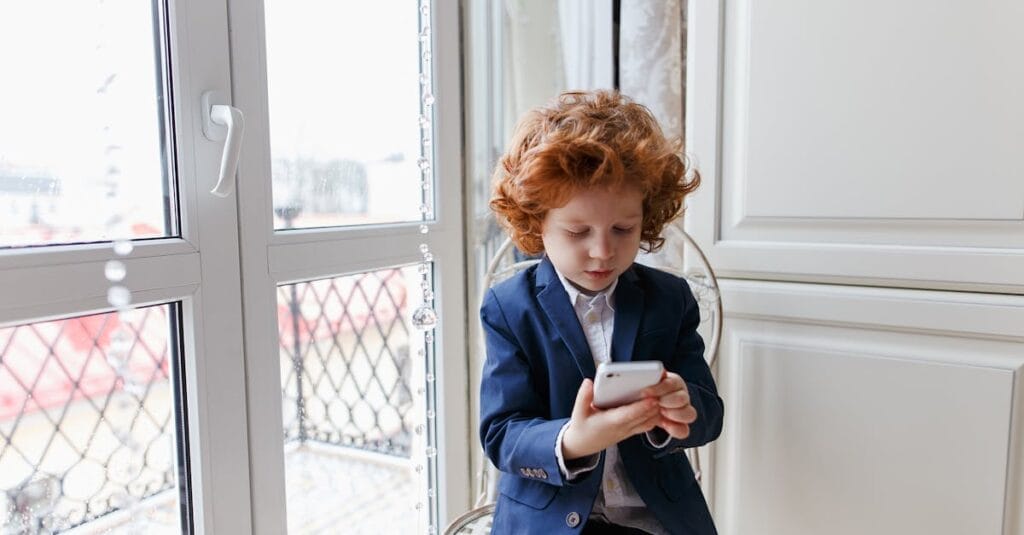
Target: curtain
651, 71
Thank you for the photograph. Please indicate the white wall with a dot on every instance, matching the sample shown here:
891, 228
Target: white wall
864, 200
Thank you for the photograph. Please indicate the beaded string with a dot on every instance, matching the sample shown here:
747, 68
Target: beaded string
424, 318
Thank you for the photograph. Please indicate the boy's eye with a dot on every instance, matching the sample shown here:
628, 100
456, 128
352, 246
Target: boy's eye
576, 233
624, 230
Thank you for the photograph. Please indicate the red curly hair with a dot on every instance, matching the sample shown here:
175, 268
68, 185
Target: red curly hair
582, 140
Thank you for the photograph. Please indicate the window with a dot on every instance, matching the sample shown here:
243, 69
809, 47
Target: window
117, 408
177, 361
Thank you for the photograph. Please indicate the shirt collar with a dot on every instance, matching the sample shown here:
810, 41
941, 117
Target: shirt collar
574, 293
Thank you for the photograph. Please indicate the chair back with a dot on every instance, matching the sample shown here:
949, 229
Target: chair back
505, 263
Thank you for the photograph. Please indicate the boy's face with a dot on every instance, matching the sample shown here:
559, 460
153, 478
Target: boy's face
595, 236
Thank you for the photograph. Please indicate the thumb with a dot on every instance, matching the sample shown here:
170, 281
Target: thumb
584, 398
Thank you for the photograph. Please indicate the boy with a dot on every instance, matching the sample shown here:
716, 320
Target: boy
588, 181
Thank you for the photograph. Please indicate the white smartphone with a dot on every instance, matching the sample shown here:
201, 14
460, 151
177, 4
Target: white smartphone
620, 383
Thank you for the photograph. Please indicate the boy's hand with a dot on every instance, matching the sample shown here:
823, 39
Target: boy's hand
591, 430
674, 398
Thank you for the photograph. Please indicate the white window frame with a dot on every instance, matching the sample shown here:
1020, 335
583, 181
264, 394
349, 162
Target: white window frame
270, 259
200, 270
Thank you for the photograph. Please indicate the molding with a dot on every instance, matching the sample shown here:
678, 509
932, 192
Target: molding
847, 337
972, 315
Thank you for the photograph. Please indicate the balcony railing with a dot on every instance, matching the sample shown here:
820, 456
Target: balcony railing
345, 349
86, 417
89, 411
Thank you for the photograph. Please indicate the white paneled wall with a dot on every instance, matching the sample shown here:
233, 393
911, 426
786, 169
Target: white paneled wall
861, 142
863, 200
867, 410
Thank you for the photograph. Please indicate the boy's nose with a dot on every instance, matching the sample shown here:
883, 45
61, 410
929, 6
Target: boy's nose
601, 248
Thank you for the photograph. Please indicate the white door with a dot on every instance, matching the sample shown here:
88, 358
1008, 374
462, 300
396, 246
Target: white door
122, 401
863, 200
350, 220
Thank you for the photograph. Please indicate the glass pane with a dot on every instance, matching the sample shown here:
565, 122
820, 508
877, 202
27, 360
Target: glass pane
353, 422
90, 418
82, 141
344, 112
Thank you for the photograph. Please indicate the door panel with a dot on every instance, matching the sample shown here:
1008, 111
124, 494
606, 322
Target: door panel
856, 145
797, 115
860, 409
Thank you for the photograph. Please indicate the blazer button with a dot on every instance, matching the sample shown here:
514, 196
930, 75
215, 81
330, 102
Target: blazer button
572, 519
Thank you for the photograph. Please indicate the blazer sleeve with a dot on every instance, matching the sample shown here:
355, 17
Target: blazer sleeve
515, 430
687, 359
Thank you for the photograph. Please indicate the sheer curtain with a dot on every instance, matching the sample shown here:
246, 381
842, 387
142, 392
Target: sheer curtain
651, 71
551, 47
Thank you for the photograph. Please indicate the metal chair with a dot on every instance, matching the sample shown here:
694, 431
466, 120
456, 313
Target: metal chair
504, 265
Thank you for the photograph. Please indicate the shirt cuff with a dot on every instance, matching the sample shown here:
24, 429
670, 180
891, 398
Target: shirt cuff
658, 437
579, 466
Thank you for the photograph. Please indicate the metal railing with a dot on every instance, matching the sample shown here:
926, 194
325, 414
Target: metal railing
345, 343
84, 430
84, 434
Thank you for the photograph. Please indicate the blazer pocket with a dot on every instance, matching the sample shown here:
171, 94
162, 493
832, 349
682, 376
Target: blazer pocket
530, 493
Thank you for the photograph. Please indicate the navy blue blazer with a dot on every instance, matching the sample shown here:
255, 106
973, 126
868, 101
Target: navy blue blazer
537, 357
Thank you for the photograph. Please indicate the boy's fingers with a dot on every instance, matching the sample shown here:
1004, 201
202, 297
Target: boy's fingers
584, 397
671, 382
627, 415
648, 424
685, 415
676, 429
675, 400
641, 425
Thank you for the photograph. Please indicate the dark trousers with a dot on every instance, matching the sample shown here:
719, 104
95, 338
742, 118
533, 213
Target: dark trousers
598, 527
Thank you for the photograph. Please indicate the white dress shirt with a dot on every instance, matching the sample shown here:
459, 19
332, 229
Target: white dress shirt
618, 502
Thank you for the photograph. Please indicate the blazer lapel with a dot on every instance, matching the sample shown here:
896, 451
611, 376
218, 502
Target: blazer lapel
629, 309
555, 302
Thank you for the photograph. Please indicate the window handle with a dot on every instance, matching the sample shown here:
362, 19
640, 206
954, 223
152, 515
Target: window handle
223, 122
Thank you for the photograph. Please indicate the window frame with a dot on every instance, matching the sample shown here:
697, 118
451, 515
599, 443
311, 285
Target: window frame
271, 258
200, 270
